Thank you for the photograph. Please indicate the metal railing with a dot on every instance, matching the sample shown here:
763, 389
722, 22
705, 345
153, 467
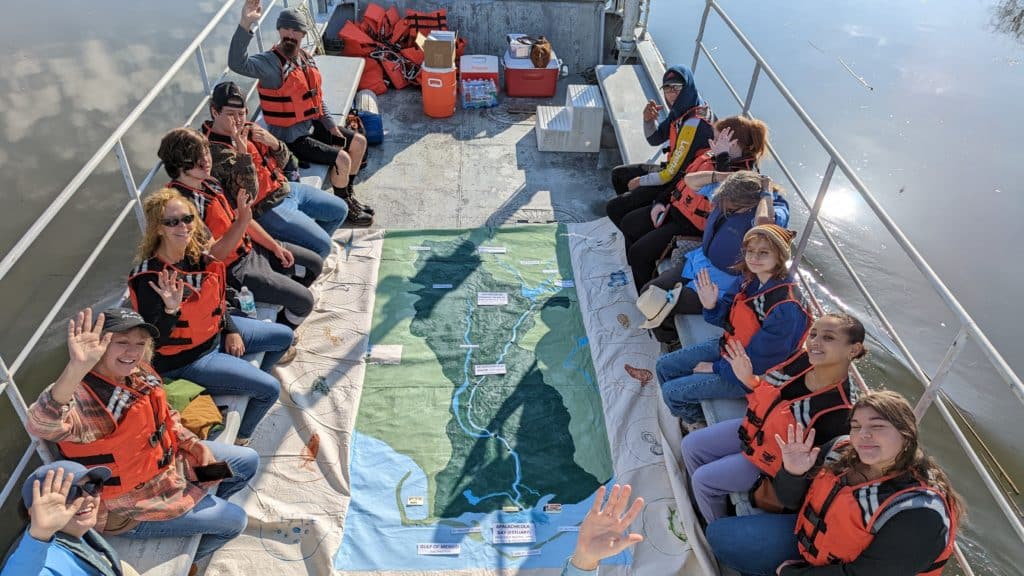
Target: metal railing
968, 329
114, 143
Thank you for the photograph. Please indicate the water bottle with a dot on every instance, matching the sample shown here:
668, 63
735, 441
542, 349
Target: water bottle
246, 302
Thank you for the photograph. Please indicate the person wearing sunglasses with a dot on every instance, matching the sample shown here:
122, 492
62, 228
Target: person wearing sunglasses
61, 501
108, 409
181, 290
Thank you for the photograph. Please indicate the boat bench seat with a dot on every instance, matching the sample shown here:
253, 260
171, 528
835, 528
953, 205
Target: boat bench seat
692, 329
174, 556
626, 90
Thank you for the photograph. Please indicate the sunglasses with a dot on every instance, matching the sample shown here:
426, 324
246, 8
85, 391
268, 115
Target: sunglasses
172, 222
92, 488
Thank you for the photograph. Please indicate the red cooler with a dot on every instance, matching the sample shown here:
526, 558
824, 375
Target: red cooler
522, 80
479, 67
439, 91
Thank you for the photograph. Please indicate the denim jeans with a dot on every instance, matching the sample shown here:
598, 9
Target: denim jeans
683, 390
754, 545
224, 374
307, 217
716, 467
214, 517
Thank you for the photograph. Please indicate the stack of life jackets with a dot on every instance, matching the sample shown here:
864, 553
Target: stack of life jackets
387, 42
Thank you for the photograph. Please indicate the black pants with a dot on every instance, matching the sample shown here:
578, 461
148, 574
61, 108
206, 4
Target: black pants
687, 303
621, 175
272, 283
645, 243
642, 197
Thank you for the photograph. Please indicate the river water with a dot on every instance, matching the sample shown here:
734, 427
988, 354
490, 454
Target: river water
923, 98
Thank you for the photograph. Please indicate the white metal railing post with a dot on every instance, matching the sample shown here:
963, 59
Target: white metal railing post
932, 388
20, 408
812, 219
700, 36
201, 62
129, 181
750, 89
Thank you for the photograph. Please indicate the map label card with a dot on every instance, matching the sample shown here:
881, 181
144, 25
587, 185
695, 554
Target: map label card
530, 262
468, 530
442, 286
488, 370
511, 509
414, 501
469, 345
420, 248
568, 528
491, 298
551, 271
438, 549
384, 354
565, 284
553, 508
491, 250
522, 553
514, 533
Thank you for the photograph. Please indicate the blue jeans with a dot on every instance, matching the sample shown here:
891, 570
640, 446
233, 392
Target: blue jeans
214, 517
224, 374
716, 467
307, 217
754, 545
683, 390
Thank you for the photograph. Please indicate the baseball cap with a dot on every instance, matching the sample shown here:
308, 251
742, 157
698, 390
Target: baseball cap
124, 319
227, 94
88, 480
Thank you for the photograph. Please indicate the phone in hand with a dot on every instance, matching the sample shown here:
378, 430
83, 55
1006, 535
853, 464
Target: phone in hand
213, 472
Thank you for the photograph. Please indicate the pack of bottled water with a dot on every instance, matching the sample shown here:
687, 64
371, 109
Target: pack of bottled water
479, 93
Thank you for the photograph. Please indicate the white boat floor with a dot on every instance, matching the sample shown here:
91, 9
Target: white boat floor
476, 168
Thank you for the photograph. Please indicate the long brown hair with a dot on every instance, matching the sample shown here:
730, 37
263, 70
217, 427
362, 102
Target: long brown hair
911, 460
153, 206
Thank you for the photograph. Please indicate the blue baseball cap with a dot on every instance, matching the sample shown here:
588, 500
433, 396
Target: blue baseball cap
86, 479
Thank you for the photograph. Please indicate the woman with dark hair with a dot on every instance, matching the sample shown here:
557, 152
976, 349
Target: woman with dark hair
686, 129
763, 310
180, 289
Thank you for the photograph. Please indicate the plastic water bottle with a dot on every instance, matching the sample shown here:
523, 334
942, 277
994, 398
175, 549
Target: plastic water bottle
246, 302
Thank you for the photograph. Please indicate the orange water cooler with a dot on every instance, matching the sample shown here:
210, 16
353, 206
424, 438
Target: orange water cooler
439, 87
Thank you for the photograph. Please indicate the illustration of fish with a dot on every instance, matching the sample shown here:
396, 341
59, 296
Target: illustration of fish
310, 450
642, 375
624, 320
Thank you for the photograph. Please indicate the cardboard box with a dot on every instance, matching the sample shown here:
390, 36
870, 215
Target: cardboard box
438, 48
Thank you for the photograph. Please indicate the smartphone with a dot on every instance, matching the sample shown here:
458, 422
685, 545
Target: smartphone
213, 472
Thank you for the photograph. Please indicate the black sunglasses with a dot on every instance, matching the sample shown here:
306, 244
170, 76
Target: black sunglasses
92, 488
172, 222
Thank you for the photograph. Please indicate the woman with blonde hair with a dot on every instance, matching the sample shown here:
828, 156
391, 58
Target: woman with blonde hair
180, 289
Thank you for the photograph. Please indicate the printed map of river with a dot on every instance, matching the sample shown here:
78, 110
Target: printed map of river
480, 439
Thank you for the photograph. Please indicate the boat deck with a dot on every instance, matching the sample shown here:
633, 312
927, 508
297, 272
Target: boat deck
476, 168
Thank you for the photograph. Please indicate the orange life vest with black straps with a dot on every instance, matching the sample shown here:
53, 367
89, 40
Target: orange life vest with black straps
142, 443
269, 177
838, 521
299, 98
201, 309
424, 22
747, 314
212, 204
769, 414
694, 206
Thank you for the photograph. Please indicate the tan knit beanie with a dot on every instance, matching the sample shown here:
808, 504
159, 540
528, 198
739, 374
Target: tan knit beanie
781, 238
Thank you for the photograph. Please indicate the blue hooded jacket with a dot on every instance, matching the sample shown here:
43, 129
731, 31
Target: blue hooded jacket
688, 98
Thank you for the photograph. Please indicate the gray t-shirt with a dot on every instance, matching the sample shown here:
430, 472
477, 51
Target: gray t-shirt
266, 68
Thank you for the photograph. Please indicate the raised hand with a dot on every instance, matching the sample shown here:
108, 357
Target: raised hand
240, 138
651, 111
658, 213
243, 205
798, 452
261, 135
86, 341
737, 357
251, 11
602, 533
50, 510
721, 142
707, 290
170, 288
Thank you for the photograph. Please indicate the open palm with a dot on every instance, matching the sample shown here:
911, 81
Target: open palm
707, 290
798, 451
602, 533
86, 341
50, 509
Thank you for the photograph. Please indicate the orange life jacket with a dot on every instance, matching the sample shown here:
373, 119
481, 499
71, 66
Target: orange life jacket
142, 443
838, 521
269, 177
694, 206
212, 204
201, 309
424, 22
769, 414
747, 313
300, 96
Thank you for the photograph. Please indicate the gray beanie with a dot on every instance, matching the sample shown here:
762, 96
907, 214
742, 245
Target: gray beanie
292, 19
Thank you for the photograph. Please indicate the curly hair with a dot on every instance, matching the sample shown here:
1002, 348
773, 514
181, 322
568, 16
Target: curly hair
181, 149
153, 207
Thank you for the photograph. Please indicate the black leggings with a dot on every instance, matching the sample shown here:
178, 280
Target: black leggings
645, 243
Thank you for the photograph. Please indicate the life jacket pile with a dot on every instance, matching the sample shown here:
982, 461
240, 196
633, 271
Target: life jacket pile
838, 519
142, 443
387, 43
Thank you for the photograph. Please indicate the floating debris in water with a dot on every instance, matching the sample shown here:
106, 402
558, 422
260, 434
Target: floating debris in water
860, 79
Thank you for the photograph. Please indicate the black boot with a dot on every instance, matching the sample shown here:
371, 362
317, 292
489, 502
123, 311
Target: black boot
352, 194
356, 215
